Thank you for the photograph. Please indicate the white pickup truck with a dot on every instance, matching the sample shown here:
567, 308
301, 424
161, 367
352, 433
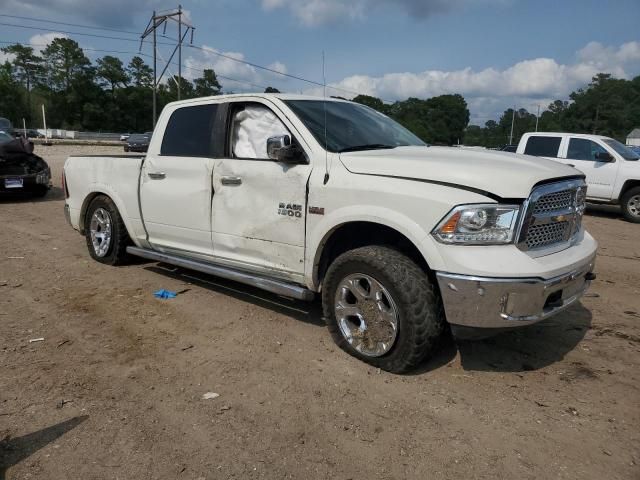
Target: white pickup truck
301, 195
612, 169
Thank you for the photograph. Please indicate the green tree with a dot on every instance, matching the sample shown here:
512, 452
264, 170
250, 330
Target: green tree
27, 68
207, 85
112, 71
372, 102
9, 88
140, 73
271, 90
65, 62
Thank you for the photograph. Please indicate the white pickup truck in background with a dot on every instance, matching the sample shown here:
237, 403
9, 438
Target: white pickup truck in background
612, 169
300, 195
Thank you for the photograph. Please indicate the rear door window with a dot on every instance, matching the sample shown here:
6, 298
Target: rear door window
189, 132
584, 149
541, 146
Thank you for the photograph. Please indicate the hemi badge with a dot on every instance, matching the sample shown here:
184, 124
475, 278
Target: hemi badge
316, 210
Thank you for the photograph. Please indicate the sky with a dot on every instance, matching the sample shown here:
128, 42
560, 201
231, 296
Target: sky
496, 53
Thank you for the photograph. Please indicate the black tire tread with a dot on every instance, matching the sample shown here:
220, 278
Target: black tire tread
120, 240
623, 203
415, 296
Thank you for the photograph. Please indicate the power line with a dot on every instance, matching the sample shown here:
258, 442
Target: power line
76, 33
69, 24
204, 49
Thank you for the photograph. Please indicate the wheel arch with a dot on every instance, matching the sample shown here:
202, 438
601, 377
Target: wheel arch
352, 234
628, 185
87, 201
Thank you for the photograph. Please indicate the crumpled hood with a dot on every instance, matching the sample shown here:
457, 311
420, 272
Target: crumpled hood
506, 175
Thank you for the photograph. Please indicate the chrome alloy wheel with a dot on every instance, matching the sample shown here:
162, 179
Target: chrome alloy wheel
100, 229
633, 205
366, 314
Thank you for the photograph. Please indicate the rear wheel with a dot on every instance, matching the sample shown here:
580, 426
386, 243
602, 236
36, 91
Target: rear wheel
630, 203
381, 308
105, 232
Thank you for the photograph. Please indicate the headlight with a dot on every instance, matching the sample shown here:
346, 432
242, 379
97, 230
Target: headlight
478, 225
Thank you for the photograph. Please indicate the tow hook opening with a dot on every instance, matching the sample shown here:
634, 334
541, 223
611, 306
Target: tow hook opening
554, 300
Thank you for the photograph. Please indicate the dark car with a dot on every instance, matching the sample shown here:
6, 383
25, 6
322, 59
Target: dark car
5, 126
509, 148
138, 142
21, 170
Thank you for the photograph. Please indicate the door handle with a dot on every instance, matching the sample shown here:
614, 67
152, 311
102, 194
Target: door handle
156, 175
231, 181
571, 165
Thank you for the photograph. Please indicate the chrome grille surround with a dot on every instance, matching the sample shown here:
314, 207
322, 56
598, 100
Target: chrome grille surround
552, 217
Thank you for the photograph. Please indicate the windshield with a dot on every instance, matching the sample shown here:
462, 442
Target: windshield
4, 138
622, 150
350, 126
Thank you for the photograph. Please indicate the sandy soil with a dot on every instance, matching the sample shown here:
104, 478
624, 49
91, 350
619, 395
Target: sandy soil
115, 388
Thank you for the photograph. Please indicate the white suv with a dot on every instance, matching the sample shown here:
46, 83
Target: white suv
612, 169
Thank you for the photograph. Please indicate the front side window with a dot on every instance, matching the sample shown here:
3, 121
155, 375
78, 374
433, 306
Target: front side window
189, 132
540, 146
584, 149
345, 126
252, 126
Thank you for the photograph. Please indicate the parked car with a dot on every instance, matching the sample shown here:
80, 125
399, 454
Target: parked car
20, 169
305, 196
509, 148
6, 126
138, 142
612, 170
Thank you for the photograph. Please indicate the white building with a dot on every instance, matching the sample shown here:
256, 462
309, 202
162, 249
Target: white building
634, 137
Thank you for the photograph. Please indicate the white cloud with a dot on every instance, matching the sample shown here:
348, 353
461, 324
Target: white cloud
318, 12
6, 57
40, 41
489, 91
249, 77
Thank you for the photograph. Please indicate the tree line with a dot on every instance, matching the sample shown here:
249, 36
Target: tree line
81, 95
110, 96
606, 106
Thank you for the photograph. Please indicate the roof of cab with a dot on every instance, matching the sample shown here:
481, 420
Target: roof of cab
280, 96
564, 134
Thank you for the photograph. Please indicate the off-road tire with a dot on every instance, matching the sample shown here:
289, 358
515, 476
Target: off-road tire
421, 320
117, 253
624, 201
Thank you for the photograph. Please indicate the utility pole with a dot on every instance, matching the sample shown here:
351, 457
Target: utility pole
157, 20
179, 49
537, 117
513, 118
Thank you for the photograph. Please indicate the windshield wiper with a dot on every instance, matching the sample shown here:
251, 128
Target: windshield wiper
370, 146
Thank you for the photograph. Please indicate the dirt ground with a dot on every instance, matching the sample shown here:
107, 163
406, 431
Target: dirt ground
115, 389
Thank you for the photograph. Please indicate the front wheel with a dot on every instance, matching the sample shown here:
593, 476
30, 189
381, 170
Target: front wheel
631, 204
381, 308
105, 232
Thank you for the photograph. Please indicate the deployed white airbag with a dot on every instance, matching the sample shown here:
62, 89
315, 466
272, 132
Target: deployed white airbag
251, 129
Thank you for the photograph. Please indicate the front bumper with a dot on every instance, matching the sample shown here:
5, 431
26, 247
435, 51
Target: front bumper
486, 302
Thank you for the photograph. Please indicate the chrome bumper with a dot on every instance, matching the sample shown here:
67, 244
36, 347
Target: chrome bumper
485, 302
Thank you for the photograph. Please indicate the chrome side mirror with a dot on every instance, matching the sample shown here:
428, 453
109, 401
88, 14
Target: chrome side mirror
276, 144
281, 149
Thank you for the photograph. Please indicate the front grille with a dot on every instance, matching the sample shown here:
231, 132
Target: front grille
554, 202
553, 215
544, 235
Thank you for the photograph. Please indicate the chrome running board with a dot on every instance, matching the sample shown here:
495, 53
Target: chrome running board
279, 287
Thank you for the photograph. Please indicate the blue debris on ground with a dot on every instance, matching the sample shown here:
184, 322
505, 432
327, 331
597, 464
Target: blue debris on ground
165, 294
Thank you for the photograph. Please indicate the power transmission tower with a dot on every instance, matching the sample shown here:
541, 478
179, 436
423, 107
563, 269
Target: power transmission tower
161, 19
